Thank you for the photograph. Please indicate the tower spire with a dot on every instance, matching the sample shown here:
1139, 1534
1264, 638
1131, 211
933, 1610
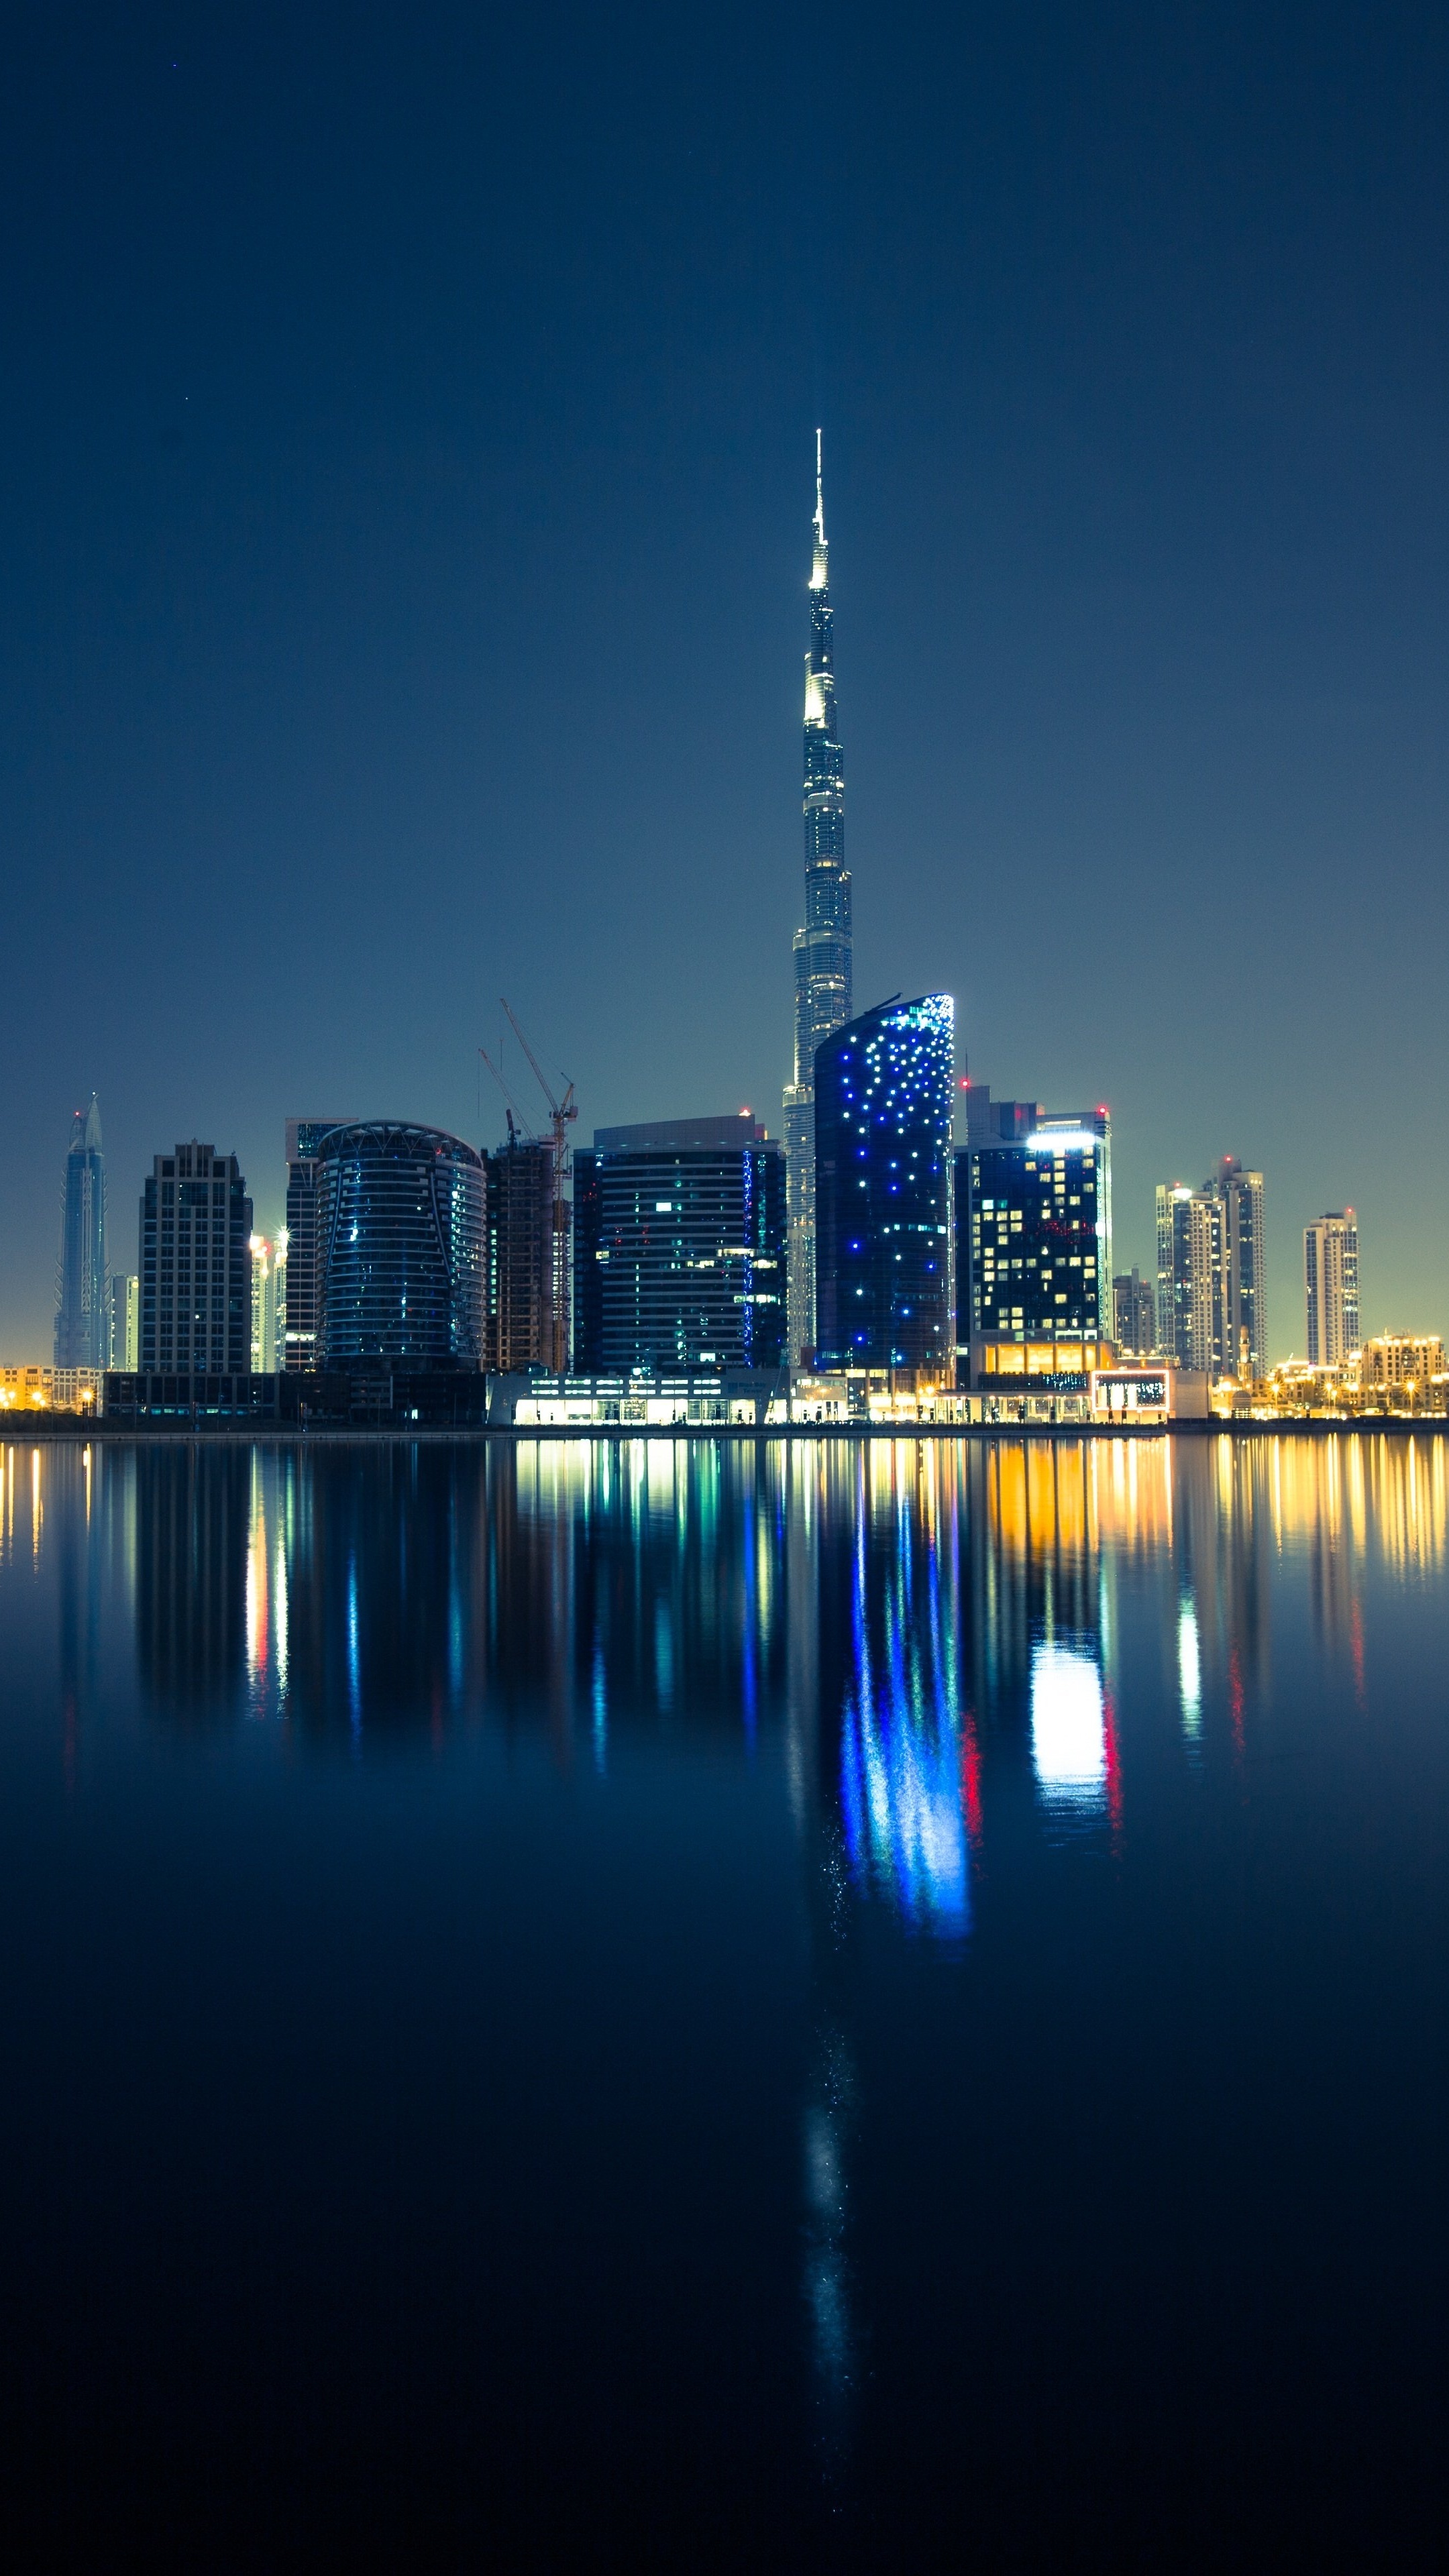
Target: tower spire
823, 943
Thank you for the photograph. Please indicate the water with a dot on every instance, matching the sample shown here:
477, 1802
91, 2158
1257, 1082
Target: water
791, 2005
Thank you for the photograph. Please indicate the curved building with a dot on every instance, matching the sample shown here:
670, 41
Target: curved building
400, 1238
884, 1109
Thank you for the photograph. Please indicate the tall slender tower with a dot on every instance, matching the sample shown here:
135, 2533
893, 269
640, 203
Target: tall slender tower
82, 1323
822, 946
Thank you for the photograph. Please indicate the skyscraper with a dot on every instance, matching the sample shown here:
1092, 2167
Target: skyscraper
1191, 1307
822, 945
1134, 1315
1211, 1288
400, 1244
1240, 1194
884, 1104
1330, 1283
269, 1302
125, 1331
196, 1224
301, 1283
521, 1269
1034, 1238
82, 1318
679, 1247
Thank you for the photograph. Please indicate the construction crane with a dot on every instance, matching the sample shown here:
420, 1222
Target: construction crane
562, 1114
511, 1110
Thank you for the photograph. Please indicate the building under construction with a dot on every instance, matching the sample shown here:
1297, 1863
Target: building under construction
522, 1305
529, 1265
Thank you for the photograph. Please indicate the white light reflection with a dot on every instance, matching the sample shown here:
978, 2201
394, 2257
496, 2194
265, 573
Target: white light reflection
1189, 1670
1068, 1731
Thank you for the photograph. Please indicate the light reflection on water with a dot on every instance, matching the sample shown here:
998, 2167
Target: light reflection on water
956, 1668
930, 1590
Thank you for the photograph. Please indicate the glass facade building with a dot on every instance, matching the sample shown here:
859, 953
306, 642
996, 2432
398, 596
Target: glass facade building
679, 1248
196, 1263
884, 1107
400, 1248
82, 1316
1035, 1232
302, 1280
822, 948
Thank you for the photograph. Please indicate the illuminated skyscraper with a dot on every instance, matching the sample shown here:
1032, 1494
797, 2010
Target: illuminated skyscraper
401, 1222
1191, 1302
884, 1104
1211, 1290
1240, 1195
1034, 1237
679, 1247
822, 945
1330, 1281
82, 1319
125, 1332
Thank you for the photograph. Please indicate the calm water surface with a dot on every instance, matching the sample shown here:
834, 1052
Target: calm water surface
790, 2005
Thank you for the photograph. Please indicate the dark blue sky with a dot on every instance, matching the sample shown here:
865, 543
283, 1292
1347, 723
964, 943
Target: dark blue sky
405, 485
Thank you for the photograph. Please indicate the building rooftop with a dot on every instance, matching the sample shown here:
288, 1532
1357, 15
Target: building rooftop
682, 1135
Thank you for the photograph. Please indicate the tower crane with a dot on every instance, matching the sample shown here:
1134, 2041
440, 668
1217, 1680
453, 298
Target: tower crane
511, 1110
562, 1114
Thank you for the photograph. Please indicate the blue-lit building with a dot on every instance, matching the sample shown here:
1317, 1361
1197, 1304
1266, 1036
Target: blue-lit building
82, 1318
884, 1106
400, 1249
679, 1248
1034, 1232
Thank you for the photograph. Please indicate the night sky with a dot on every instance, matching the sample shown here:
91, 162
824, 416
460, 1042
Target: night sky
406, 473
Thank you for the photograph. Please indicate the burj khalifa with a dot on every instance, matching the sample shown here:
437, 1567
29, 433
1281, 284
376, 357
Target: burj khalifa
822, 946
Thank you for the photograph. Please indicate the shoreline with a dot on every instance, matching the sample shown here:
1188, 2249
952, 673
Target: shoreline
68, 1430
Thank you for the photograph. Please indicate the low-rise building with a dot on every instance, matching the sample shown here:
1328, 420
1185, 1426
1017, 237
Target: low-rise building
1401, 1365
32, 1387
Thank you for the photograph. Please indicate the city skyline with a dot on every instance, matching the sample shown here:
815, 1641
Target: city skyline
413, 534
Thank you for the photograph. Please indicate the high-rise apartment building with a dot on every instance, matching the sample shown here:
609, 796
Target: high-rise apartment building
1240, 1195
82, 1317
823, 942
1191, 1295
521, 1268
400, 1222
299, 1337
1134, 1315
1330, 1285
884, 1106
124, 1341
196, 1224
679, 1247
1034, 1228
269, 1302
1211, 1285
